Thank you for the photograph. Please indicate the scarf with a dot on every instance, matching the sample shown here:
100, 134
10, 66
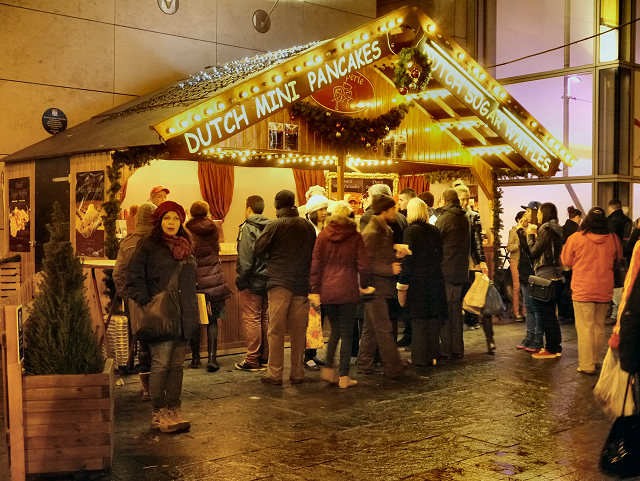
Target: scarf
180, 247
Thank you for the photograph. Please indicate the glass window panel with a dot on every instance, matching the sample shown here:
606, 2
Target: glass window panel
614, 118
635, 212
636, 128
637, 27
514, 197
546, 98
581, 26
525, 27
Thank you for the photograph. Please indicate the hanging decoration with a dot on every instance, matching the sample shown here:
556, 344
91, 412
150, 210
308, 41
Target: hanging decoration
446, 176
413, 71
345, 131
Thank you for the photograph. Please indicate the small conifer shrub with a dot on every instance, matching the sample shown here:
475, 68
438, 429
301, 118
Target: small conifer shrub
58, 333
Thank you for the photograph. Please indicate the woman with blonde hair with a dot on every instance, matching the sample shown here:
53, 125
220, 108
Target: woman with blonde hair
421, 284
339, 259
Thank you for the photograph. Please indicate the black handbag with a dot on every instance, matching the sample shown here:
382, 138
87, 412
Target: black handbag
621, 451
620, 268
540, 288
156, 321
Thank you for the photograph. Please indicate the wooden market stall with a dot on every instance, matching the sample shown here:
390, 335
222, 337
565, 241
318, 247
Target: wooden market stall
247, 113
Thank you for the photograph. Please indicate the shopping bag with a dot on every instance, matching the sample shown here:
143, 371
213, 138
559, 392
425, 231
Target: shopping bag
493, 305
612, 387
314, 328
621, 451
203, 314
476, 295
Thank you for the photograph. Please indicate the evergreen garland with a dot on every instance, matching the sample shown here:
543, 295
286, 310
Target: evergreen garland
413, 71
341, 130
59, 335
445, 176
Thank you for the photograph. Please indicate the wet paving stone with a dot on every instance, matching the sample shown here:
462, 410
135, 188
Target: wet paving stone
486, 417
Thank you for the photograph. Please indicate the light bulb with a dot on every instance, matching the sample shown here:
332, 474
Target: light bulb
460, 56
431, 28
197, 118
209, 111
220, 106
254, 89
172, 130
297, 68
365, 36
184, 124
318, 59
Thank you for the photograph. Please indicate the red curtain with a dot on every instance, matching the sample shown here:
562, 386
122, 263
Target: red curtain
415, 182
216, 187
305, 179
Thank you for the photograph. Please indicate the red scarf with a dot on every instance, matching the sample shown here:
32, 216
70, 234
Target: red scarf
180, 247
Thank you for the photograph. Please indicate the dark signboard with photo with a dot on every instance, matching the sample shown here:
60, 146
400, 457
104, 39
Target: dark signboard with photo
360, 183
19, 213
54, 121
89, 225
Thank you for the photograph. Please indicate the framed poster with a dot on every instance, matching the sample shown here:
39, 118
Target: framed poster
19, 213
89, 213
358, 184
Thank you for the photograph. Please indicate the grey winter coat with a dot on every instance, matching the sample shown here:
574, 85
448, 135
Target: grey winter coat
251, 270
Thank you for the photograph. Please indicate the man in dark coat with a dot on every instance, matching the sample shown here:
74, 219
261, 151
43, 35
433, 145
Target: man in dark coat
384, 265
454, 227
621, 226
251, 281
398, 224
288, 243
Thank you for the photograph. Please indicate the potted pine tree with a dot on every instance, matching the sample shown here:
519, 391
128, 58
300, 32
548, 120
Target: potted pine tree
68, 386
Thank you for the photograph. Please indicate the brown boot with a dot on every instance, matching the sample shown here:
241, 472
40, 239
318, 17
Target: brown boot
144, 380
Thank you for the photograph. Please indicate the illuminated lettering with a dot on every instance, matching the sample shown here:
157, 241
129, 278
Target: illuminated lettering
498, 120
281, 95
262, 105
332, 72
358, 59
511, 131
457, 81
484, 109
227, 116
200, 135
243, 116
545, 164
492, 116
312, 78
376, 50
447, 80
340, 62
470, 96
189, 137
215, 123
352, 62
271, 96
294, 95
321, 78
366, 52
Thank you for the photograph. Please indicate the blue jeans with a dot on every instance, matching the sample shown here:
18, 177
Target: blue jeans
533, 328
545, 314
165, 381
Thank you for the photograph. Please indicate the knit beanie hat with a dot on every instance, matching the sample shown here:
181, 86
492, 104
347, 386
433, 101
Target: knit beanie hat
167, 206
381, 203
131, 219
143, 218
316, 202
285, 198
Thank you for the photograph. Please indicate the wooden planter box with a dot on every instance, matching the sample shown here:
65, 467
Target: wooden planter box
68, 422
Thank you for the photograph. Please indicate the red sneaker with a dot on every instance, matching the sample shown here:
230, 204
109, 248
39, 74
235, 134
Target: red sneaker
544, 354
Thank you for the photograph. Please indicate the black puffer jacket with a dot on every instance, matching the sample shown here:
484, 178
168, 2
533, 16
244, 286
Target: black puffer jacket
476, 247
251, 270
454, 227
149, 272
288, 243
206, 249
545, 250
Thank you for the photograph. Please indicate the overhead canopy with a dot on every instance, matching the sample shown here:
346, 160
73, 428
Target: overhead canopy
213, 106
468, 103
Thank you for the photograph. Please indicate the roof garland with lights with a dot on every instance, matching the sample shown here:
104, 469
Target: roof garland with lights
251, 97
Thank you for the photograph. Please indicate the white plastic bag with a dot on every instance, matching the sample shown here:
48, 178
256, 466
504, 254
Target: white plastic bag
611, 387
475, 298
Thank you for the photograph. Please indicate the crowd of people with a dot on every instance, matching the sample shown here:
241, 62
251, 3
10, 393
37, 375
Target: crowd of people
407, 263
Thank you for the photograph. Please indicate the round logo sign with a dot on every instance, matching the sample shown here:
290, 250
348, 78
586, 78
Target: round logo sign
168, 6
354, 94
54, 121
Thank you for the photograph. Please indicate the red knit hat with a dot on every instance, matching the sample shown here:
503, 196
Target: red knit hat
168, 206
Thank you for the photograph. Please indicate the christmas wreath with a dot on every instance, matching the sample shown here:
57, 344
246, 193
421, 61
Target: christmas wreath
413, 70
346, 131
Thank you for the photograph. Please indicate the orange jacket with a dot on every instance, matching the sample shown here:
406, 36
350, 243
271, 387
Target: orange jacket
591, 258
632, 273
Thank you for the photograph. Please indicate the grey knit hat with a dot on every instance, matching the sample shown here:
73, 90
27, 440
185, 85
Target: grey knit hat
143, 218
